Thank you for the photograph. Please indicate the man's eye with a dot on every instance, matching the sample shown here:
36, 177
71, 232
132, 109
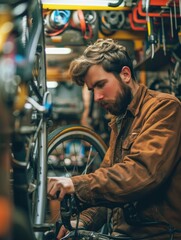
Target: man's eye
100, 85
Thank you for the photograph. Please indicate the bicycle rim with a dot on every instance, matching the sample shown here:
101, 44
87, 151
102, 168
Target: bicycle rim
74, 150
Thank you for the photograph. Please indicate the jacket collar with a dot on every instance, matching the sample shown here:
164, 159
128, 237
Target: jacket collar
134, 106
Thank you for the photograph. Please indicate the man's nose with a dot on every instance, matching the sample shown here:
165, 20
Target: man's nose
98, 96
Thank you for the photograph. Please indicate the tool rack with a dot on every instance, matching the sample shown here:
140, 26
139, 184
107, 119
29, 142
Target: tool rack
153, 25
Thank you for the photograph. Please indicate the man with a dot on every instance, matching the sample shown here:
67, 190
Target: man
140, 175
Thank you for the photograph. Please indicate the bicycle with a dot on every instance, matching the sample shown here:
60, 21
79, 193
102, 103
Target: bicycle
28, 104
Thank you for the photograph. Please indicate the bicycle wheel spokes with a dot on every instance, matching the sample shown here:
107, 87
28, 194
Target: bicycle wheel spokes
73, 157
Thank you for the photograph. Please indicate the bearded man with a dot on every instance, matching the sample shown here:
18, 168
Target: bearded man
139, 178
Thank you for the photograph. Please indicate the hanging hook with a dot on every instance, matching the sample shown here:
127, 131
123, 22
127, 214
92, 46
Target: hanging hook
115, 4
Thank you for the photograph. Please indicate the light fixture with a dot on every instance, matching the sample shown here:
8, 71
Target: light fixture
72, 4
52, 84
61, 50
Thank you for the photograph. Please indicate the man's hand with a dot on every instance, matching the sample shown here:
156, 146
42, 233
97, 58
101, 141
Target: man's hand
60, 185
62, 232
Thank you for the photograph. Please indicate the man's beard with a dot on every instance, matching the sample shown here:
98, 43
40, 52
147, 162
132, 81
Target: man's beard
122, 101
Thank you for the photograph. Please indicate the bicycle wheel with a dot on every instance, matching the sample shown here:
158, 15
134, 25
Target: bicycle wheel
73, 150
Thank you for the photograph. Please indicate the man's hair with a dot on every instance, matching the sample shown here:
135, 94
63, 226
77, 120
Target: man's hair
108, 53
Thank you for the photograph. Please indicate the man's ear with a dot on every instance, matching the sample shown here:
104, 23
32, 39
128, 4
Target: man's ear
125, 74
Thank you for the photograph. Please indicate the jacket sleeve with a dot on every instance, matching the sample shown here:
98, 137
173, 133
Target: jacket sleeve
151, 159
94, 218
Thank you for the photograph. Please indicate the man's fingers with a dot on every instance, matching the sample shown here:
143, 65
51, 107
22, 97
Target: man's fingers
62, 232
53, 189
62, 184
50, 183
61, 194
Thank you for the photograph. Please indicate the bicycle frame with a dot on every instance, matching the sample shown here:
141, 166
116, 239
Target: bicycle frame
25, 95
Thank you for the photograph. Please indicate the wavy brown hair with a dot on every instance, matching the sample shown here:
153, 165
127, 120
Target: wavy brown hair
105, 52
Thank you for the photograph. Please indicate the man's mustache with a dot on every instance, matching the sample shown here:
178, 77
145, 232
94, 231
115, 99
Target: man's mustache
103, 103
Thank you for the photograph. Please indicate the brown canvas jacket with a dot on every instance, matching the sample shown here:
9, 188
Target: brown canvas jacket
141, 171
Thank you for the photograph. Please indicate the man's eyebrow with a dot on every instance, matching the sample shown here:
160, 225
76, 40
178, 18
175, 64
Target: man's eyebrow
95, 84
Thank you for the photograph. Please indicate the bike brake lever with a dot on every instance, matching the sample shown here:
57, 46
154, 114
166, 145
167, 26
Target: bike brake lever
68, 209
